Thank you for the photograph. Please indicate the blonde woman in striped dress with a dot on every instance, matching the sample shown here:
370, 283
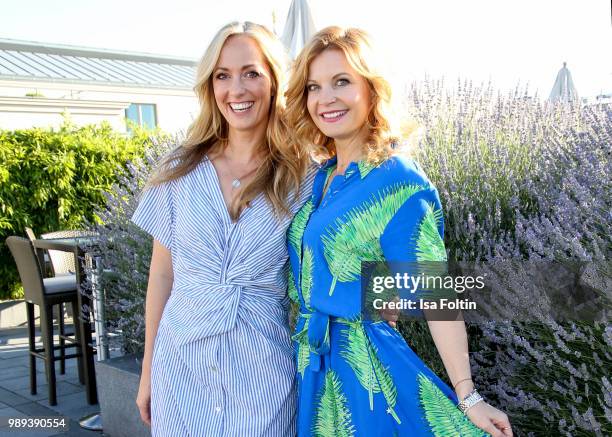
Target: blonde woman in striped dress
218, 355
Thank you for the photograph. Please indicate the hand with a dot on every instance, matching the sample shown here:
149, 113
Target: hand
490, 419
143, 399
391, 316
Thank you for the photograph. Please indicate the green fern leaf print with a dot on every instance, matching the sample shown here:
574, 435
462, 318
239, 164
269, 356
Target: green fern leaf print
303, 352
429, 243
365, 168
356, 352
298, 225
292, 290
307, 272
333, 418
431, 253
443, 417
355, 238
362, 356
387, 295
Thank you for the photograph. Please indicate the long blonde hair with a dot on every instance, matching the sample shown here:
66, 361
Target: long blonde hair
283, 167
382, 123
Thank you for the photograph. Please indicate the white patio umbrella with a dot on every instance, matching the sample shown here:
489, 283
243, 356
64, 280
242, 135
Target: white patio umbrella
563, 90
299, 27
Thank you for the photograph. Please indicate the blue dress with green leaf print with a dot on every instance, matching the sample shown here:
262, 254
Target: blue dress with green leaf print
358, 377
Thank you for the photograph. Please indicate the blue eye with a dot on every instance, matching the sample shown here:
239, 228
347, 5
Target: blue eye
342, 82
312, 87
253, 74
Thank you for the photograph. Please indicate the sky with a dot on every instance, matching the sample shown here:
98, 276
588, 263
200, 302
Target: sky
522, 42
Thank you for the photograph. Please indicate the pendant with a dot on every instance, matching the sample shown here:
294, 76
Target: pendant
236, 183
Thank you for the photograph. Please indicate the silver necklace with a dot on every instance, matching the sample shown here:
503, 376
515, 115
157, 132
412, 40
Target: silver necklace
236, 182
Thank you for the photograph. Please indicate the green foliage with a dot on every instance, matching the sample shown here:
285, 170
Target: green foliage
54, 179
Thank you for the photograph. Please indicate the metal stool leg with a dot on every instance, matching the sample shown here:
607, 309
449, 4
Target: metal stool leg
46, 324
79, 339
32, 346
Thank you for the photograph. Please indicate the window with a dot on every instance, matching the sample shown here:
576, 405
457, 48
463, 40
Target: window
142, 114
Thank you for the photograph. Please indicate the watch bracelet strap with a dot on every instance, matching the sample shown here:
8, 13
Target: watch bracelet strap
469, 401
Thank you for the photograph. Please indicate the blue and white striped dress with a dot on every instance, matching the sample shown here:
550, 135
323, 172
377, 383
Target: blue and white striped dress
223, 361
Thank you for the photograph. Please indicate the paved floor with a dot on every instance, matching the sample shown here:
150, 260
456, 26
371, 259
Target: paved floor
15, 397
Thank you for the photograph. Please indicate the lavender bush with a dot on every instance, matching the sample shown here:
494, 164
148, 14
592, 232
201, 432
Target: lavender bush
524, 180
126, 251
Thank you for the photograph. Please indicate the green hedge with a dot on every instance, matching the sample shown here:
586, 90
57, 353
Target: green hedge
53, 179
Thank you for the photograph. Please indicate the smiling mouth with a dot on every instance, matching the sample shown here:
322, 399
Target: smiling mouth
333, 116
241, 107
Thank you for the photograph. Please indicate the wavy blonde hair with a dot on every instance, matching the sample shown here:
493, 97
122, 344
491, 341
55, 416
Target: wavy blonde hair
382, 123
283, 167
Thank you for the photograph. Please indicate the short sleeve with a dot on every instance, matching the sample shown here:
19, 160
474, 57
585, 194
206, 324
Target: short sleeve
413, 246
155, 213
416, 231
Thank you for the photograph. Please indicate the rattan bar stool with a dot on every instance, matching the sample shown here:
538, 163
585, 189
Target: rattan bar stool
46, 293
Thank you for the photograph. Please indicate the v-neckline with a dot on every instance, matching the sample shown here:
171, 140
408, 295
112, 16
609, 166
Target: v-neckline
221, 197
219, 190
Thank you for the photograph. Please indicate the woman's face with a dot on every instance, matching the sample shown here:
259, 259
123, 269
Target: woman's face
338, 97
242, 84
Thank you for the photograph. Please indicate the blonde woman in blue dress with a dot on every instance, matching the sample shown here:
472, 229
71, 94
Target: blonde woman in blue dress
218, 357
358, 377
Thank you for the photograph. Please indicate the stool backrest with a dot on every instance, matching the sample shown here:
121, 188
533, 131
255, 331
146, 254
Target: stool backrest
28, 267
63, 262
30, 233
43, 259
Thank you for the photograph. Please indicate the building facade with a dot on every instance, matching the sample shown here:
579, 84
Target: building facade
39, 83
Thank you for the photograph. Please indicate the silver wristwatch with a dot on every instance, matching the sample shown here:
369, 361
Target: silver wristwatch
469, 401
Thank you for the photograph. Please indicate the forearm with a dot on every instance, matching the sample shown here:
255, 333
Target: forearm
158, 292
450, 338
161, 277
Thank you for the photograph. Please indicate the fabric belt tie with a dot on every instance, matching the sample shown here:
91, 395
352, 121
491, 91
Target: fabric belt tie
315, 335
